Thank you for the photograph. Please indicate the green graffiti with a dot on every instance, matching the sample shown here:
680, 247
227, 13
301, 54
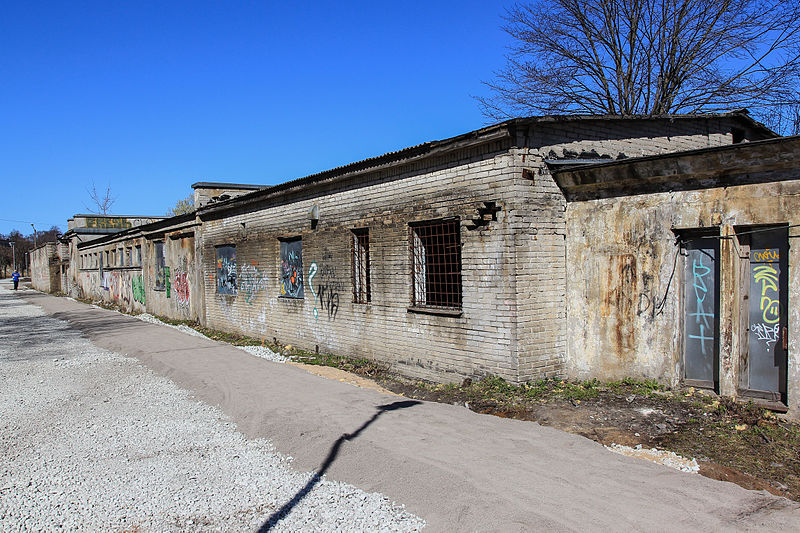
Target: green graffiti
137, 287
168, 284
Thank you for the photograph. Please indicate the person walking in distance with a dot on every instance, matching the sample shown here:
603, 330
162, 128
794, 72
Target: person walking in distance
15, 279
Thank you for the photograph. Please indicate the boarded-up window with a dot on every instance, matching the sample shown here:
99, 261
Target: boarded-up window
226, 270
436, 264
361, 288
161, 273
292, 268
138, 256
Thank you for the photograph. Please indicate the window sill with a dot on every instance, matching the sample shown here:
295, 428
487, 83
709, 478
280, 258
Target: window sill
435, 311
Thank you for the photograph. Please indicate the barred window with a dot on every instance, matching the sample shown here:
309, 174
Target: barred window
361, 288
436, 264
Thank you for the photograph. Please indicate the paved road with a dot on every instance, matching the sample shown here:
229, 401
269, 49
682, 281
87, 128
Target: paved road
458, 470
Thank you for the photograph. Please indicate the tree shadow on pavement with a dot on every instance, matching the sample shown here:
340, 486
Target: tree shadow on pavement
281, 513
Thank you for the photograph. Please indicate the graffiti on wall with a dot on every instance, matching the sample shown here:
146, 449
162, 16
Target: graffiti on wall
167, 282
108, 222
765, 313
182, 286
226, 270
252, 281
137, 288
291, 282
312, 271
703, 315
327, 291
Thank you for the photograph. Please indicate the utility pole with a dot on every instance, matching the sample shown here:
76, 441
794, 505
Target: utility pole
34, 234
13, 256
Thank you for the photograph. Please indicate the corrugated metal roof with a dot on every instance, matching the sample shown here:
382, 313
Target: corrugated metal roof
479, 135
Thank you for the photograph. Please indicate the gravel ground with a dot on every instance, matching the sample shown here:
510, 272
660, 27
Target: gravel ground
93, 441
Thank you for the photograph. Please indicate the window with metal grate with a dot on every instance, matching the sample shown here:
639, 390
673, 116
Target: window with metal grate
435, 248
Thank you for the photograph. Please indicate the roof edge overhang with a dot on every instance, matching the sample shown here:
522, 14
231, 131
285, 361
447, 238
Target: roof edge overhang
768, 160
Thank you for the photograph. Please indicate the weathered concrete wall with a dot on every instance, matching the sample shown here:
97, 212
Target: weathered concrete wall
45, 268
537, 215
625, 275
128, 276
173, 298
118, 281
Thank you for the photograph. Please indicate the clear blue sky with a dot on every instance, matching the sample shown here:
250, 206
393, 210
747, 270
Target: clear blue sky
150, 97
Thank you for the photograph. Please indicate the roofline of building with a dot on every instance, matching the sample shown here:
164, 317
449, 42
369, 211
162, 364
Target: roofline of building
92, 215
218, 185
501, 130
143, 229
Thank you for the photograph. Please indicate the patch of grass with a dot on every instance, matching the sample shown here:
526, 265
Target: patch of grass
361, 366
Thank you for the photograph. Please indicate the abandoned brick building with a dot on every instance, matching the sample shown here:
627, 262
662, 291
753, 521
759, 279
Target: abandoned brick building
447, 260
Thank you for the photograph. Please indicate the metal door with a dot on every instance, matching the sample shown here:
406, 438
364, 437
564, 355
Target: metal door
701, 310
767, 313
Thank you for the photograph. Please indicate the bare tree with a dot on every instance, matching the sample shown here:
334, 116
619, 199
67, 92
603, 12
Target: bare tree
650, 57
102, 202
181, 207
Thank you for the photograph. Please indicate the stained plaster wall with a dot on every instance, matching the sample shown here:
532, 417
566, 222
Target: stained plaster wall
538, 216
625, 279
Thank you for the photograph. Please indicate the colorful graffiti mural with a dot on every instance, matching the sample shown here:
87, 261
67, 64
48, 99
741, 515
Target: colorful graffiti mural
291, 282
226, 270
182, 289
137, 288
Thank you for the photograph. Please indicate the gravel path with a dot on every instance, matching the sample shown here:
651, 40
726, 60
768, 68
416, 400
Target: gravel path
93, 441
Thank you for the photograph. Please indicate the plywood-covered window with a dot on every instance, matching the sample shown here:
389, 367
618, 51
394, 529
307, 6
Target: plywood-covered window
227, 282
291, 268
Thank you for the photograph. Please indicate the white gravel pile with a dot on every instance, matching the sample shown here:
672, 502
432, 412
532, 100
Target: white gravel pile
258, 351
92, 441
662, 457
264, 352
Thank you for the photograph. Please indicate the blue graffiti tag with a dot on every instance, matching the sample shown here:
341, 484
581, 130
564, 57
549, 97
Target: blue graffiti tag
699, 271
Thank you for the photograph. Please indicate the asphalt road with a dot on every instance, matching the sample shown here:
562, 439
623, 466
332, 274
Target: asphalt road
458, 470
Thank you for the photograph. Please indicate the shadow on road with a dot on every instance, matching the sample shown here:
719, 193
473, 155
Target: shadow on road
278, 515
